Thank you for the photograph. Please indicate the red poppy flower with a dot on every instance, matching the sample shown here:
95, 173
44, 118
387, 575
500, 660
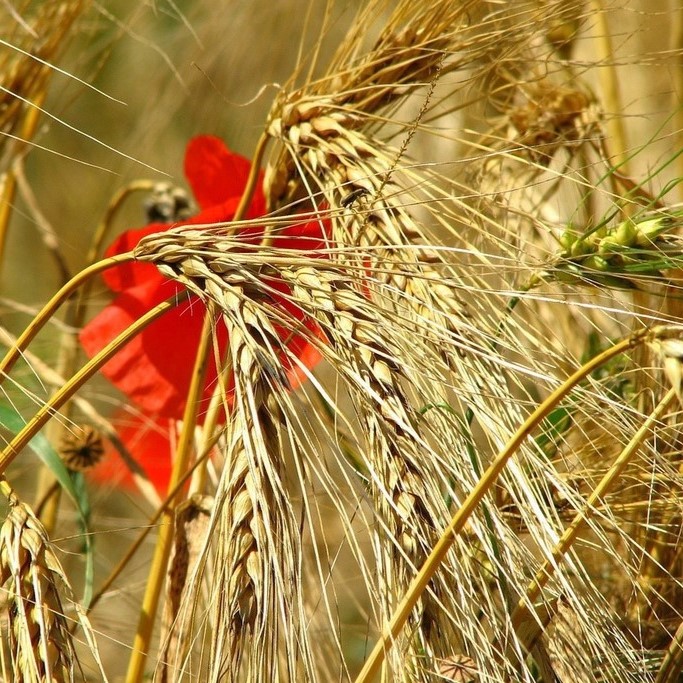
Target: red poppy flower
155, 368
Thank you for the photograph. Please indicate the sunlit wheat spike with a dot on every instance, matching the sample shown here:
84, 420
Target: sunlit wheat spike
40, 641
253, 572
406, 490
31, 39
258, 554
416, 46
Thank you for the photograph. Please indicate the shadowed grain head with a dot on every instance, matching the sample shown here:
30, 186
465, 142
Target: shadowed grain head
41, 644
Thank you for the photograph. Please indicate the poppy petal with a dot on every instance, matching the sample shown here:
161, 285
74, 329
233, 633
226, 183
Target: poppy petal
148, 443
155, 368
214, 172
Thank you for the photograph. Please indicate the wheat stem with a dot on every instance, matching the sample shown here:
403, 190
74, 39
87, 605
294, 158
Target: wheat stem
9, 187
162, 551
98, 238
610, 87
47, 232
677, 80
209, 434
521, 613
28, 130
110, 212
250, 186
53, 304
49, 409
672, 663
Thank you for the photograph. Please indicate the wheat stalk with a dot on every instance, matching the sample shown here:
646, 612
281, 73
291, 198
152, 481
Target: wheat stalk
399, 472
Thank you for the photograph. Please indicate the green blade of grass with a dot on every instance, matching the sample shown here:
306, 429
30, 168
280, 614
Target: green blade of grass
73, 485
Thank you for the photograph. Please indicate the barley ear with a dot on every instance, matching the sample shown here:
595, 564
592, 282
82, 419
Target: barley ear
40, 641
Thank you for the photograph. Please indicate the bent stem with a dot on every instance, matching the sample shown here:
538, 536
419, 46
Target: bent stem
112, 209
522, 614
52, 305
250, 186
436, 557
74, 384
74, 317
98, 239
157, 572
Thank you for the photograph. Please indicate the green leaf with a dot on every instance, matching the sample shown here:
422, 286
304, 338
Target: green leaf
73, 485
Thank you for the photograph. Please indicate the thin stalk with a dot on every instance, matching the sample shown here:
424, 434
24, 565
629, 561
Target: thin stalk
162, 552
51, 307
74, 384
99, 236
8, 191
677, 78
209, 435
521, 613
672, 663
43, 498
49, 491
421, 580
250, 186
47, 232
112, 209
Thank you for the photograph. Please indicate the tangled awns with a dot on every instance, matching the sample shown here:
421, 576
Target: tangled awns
391, 394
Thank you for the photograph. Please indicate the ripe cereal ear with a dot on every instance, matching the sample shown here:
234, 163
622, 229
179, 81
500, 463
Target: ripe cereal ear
214, 172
